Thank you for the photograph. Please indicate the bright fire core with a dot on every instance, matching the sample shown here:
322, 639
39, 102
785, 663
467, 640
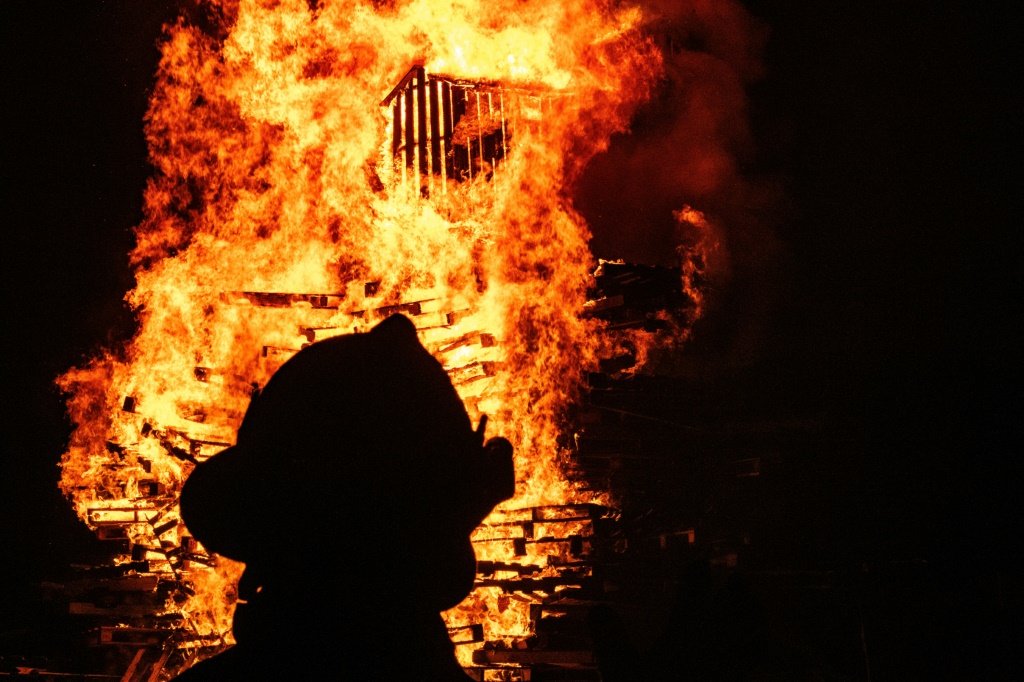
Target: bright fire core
280, 213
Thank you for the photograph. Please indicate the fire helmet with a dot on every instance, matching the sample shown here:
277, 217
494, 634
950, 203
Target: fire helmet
360, 436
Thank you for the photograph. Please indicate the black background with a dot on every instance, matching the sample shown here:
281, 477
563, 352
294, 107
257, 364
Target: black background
893, 129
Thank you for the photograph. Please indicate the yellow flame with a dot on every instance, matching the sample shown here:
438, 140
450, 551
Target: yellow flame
269, 143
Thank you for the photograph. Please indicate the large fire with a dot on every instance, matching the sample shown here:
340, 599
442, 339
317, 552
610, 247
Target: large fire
284, 209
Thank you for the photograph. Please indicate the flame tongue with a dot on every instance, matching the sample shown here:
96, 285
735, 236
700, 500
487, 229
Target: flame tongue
279, 214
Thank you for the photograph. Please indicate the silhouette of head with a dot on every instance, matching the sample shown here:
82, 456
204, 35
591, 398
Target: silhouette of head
357, 443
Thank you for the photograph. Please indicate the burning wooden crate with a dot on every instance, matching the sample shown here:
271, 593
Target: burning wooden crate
446, 128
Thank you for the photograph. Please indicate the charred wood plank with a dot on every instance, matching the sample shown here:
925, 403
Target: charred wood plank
533, 657
421, 121
276, 299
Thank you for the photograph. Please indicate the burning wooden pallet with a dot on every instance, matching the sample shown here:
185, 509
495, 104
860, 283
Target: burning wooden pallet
552, 554
450, 128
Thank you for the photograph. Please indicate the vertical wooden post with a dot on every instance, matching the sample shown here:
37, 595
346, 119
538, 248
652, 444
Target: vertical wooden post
421, 121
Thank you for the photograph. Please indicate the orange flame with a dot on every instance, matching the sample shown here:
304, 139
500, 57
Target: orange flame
276, 199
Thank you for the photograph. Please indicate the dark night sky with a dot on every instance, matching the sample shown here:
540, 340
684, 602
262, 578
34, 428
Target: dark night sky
892, 128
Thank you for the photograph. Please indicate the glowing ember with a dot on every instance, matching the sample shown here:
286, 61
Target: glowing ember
283, 211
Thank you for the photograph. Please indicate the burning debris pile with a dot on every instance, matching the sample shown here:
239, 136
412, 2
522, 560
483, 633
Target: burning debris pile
541, 565
294, 206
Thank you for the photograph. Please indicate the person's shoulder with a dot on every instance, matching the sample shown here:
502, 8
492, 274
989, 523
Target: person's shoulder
224, 666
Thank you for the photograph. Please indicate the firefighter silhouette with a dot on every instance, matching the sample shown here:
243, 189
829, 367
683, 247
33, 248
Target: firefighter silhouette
350, 495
